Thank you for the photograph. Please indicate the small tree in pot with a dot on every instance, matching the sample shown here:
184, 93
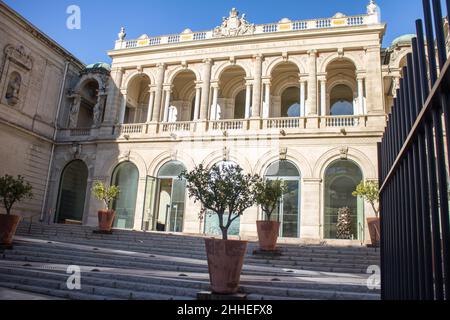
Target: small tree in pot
12, 190
107, 195
223, 188
268, 194
370, 192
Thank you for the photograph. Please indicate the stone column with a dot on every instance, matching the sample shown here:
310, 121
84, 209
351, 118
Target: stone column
150, 106
114, 98
257, 85
323, 97
214, 102
311, 107
198, 92
312, 209
248, 99
361, 110
123, 107
204, 106
374, 90
158, 94
266, 111
302, 98
167, 93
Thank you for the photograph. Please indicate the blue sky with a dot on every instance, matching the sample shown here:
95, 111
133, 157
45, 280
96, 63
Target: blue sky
101, 19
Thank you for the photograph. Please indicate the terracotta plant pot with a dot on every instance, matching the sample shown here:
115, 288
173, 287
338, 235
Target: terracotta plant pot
374, 231
8, 227
106, 220
225, 261
268, 232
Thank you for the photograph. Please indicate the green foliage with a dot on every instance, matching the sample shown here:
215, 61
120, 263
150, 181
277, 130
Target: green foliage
370, 192
105, 194
344, 224
220, 189
268, 194
14, 190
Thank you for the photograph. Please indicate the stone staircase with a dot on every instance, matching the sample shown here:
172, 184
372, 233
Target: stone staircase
149, 266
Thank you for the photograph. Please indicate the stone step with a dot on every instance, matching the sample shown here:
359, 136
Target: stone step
199, 251
190, 288
133, 235
88, 288
285, 260
99, 258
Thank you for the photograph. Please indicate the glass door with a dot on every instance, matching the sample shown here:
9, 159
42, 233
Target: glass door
175, 221
149, 221
288, 210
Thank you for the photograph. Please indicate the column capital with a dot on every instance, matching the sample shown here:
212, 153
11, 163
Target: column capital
322, 78
267, 82
161, 65
207, 61
123, 92
248, 83
168, 87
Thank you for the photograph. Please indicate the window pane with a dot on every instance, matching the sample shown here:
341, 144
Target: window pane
283, 169
126, 177
171, 169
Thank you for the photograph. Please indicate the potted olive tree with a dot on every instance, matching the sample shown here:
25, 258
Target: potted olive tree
223, 188
370, 192
12, 190
268, 194
107, 195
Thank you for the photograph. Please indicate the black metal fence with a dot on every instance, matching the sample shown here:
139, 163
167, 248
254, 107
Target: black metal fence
415, 240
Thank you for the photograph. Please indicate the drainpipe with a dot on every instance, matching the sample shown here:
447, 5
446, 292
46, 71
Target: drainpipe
50, 164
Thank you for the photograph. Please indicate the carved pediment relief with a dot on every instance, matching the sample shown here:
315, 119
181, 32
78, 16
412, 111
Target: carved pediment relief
19, 56
234, 26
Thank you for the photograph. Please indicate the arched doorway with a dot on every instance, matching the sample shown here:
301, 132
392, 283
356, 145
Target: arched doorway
72, 192
341, 179
288, 211
170, 198
126, 177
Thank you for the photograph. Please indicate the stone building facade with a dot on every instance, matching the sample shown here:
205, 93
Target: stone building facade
301, 101
35, 72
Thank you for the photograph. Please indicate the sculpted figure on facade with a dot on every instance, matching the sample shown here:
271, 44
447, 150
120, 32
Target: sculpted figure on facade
234, 26
12, 92
98, 110
74, 109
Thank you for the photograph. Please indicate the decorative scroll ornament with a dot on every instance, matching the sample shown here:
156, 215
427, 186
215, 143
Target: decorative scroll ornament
234, 26
19, 56
344, 153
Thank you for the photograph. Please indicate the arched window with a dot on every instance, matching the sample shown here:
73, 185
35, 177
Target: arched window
341, 179
288, 211
72, 192
126, 177
290, 102
341, 99
239, 105
171, 198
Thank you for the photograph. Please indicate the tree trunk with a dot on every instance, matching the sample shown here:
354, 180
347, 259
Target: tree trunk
224, 233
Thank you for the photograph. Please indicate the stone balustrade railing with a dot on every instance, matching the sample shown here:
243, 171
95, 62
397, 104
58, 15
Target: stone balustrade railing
295, 125
282, 26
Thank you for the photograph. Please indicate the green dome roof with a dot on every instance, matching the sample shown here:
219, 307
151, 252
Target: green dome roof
404, 39
98, 65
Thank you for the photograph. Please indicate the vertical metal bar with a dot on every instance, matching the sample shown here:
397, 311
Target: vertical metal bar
439, 30
422, 192
430, 41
